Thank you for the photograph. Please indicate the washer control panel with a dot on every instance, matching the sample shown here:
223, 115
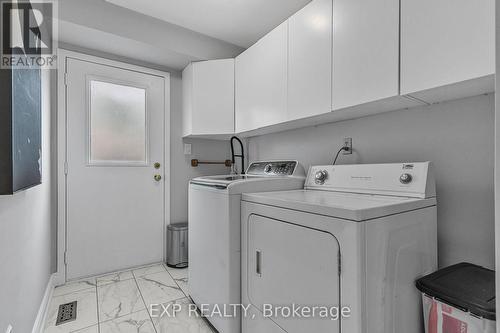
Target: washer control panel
274, 168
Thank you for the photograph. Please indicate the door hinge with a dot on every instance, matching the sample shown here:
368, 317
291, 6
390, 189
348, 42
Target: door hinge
340, 263
65, 168
66, 79
65, 258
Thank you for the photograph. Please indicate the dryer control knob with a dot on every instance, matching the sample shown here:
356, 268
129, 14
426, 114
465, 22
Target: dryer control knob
320, 177
405, 178
268, 168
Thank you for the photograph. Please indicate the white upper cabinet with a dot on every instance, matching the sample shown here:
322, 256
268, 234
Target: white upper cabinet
445, 41
208, 98
365, 51
310, 60
261, 82
352, 57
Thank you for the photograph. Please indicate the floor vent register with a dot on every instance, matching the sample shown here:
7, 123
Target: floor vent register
66, 313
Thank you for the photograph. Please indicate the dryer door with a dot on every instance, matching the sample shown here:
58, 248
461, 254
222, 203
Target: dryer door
290, 264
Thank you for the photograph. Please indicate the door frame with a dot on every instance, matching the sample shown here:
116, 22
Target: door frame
62, 57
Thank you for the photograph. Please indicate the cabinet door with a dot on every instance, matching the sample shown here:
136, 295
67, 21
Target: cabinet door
213, 97
261, 82
445, 42
365, 51
290, 264
208, 97
310, 60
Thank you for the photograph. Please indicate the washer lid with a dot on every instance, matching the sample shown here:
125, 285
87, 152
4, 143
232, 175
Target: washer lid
349, 206
223, 181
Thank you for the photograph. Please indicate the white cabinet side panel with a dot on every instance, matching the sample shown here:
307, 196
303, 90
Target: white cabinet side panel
187, 105
213, 97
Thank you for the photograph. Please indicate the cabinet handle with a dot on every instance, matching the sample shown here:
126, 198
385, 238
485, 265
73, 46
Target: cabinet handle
258, 263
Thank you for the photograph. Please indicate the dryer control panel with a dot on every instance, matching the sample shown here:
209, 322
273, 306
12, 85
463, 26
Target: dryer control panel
399, 179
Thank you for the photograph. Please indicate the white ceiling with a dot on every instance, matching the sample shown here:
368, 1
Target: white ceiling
240, 22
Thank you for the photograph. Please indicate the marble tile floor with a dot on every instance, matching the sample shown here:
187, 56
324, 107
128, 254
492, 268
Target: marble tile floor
119, 303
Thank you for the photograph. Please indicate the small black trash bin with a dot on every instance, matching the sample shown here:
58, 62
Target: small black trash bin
177, 245
459, 299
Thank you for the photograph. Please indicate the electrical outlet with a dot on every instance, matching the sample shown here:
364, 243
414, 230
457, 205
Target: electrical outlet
187, 149
348, 144
9, 329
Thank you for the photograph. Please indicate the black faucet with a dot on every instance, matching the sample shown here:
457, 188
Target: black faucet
242, 156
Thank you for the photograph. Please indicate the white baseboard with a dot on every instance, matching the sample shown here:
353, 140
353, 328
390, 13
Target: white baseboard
44, 306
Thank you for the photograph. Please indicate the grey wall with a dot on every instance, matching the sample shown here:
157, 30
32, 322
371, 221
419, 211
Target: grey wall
26, 239
457, 136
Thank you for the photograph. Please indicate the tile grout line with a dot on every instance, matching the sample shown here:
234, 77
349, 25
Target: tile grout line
82, 329
177, 299
72, 292
97, 300
175, 281
185, 297
135, 277
144, 302
96, 283
189, 299
108, 282
124, 315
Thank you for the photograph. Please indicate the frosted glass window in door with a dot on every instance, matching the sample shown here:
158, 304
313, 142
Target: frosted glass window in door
117, 123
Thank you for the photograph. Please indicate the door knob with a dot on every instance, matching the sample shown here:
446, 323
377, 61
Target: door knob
157, 178
157, 165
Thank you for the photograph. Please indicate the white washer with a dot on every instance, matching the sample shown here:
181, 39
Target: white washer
356, 236
214, 232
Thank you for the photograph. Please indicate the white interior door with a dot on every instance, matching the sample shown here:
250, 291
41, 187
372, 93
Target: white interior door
115, 168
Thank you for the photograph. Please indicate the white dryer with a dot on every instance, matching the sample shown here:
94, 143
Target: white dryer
356, 236
214, 280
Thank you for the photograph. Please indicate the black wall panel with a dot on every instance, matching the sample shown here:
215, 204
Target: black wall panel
20, 129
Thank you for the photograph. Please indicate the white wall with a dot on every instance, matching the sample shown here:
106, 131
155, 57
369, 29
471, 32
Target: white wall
26, 239
456, 136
